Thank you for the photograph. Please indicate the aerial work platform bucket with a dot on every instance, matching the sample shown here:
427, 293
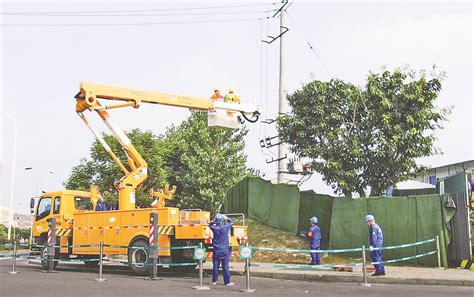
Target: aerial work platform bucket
222, 119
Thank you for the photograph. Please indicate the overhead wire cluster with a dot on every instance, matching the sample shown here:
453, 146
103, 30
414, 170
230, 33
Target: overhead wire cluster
165, 16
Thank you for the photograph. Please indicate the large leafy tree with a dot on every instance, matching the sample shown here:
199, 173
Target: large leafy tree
100, 170
204, 162
365, 137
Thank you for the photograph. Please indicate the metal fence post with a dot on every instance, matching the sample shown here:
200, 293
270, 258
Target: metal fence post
51, 245
247, 276
153, 245
201, 269
13, 259
438, 251
364, 268
101, 258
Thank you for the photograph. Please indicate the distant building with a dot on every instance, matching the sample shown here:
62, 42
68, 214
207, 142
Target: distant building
22, 221
432, 175
4, 215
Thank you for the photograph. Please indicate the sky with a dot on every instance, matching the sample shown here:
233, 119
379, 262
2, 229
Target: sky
43, 65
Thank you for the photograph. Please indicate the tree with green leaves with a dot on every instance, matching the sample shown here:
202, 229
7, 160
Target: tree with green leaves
100, 170
369, 137
204, 162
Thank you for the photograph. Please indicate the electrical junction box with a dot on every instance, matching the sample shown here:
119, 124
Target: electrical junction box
295, 167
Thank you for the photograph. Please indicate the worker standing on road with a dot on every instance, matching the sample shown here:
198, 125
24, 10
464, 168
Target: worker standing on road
314, 235
376, 242
220, 241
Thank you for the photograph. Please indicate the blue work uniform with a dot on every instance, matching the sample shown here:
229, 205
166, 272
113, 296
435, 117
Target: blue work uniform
221, 252
314, 235
376, 241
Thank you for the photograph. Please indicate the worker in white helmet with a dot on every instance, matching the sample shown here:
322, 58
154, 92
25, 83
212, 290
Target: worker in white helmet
376, 242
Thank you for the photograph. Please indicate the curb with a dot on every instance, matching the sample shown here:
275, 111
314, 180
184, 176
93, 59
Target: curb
353, 278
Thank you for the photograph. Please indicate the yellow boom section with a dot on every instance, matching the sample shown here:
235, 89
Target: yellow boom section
134, 97
87, 99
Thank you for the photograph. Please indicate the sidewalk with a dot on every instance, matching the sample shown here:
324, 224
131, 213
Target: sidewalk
395, 275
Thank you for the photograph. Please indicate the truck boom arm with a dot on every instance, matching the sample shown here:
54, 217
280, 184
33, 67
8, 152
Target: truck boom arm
87, 99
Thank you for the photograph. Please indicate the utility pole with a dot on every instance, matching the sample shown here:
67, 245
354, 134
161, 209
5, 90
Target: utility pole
12, 184
282, 151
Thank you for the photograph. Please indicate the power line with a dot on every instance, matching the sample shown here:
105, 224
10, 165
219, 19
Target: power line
311, 47
135, 10
147, 14
130, 24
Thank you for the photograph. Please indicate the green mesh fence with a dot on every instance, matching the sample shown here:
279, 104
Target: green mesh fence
403, 219
312, 204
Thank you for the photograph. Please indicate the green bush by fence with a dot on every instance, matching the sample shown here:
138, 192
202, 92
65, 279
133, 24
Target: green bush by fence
403, 219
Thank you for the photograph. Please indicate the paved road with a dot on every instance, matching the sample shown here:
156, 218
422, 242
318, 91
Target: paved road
74, 281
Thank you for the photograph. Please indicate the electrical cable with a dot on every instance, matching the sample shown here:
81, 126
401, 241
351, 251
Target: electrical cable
310, 46
136, 10
148, 14
261, 88
130, 24
251, 120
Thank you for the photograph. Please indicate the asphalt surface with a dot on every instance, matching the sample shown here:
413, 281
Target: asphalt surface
75, 281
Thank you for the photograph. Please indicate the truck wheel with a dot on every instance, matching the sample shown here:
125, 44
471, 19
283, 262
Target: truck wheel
183, 256
91, 264
44, 257
139, 259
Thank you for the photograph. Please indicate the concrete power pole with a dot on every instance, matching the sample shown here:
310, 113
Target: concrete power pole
282, 151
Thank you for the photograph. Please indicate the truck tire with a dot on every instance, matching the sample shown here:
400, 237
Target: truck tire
139, 259
183, 256
91, 264
44, 256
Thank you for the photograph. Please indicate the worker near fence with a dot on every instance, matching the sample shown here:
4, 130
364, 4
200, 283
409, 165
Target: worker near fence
220, 228
314, 235
376, 243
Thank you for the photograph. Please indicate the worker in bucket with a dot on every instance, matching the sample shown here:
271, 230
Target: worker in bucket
216, 94
314, 235
376, 242
232, 97
220, 228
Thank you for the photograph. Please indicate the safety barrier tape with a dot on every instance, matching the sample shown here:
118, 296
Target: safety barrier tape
11, 255
295, 266
150, 247
287, 250
405, 245
406, 258
105, 245
158, 264
330, 267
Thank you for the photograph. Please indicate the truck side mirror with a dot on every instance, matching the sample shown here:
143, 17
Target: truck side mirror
32, 206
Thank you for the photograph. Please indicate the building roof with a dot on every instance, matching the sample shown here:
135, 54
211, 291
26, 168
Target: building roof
412, 185
452, 164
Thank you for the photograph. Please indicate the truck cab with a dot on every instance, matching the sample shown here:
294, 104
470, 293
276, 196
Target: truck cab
61, 205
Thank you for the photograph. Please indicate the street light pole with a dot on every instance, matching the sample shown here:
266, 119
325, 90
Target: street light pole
10, 219
36, 193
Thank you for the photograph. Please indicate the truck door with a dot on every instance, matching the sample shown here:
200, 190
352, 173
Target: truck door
43, 213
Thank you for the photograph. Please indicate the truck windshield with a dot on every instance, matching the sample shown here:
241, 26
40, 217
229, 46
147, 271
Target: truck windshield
44, 208
83, 203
